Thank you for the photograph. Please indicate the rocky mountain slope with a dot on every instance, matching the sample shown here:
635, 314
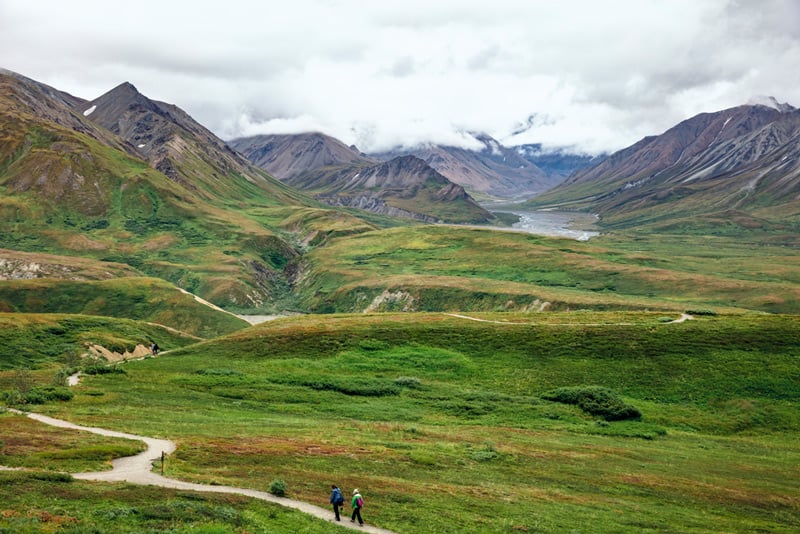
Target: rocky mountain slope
493, 171
126, 179
342, 176
743, 161
284, 156
401, 187
176, 145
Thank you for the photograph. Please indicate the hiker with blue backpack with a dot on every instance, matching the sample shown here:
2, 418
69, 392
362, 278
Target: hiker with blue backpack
337, 500
357, 503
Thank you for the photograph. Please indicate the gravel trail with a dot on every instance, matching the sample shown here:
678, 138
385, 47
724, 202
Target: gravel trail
138, 470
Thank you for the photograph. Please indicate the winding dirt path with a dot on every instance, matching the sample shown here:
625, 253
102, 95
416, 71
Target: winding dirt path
138, 470
682, 318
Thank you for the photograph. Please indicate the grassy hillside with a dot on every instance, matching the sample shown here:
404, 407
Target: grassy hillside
144, 299
47, 341
66, 193
444, 424
433, 268
39, 501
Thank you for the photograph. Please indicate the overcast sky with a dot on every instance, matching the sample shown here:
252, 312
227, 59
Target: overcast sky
591, 75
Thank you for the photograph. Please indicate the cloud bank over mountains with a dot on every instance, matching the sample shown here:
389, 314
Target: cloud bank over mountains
594, 76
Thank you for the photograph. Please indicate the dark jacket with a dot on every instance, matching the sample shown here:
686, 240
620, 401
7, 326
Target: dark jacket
336, 496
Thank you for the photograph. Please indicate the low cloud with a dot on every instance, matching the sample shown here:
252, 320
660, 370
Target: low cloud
387, 74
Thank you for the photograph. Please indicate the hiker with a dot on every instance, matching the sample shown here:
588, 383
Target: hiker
357, 503
154, 349
337, 500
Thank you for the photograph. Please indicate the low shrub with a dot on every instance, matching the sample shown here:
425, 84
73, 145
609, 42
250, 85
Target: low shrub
278, 488
219, 372
372, 344
51, 476
99, 369
595, 400
358, 386
701, 312
39, 395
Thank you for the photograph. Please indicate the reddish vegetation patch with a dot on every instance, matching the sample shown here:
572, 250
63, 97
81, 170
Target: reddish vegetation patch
277, 446
55, 519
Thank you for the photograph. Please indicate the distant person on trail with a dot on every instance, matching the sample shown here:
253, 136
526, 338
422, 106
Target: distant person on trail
337, 500
357, 503
154, 349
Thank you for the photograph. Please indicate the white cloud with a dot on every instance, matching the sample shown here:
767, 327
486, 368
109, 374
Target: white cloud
382, 74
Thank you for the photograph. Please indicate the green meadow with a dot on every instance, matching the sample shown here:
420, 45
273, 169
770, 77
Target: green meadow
517, 422
446, 268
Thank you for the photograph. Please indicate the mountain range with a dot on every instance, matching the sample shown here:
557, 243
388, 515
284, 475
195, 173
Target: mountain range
399, 186
740, 163
493, 172
123, 178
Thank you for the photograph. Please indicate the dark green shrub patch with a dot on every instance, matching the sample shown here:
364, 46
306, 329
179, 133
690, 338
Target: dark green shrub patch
37, 395
373, 344
595, 400
41, 395
219, 372
100, 369
278, 488
358, 386
50, 476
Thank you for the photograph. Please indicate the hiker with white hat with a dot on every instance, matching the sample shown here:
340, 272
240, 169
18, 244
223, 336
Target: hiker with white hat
357, 503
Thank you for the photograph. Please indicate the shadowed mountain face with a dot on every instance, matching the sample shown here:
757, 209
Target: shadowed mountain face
341, 176
740, 160
403, 187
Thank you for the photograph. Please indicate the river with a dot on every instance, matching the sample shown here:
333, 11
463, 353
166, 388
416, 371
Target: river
574, 225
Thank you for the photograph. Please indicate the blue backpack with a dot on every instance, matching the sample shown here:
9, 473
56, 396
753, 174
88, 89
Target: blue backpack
337, 496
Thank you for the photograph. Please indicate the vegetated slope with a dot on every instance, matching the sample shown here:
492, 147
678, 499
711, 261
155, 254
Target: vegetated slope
284, 156
29, 341
176, 145
341, 176
70, 188
145, 299
421, 399
15, 265
402, 187
439, 268
740, 164
494, 170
